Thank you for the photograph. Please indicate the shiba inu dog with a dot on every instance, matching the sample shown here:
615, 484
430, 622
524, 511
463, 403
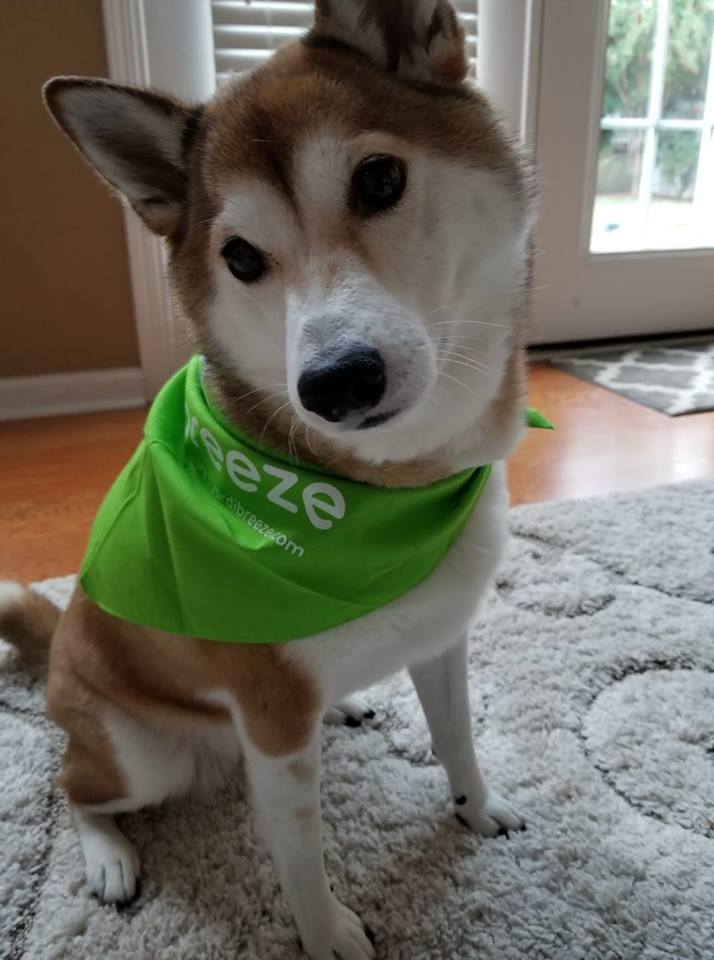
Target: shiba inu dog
348, 236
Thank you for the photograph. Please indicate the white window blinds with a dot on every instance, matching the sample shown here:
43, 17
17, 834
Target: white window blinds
246, 31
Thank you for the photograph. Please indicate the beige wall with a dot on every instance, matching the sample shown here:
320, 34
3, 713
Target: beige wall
65, 301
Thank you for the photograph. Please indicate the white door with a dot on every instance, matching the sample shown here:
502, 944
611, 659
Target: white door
624, 134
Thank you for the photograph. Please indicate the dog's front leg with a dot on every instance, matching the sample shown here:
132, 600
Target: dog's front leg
287, 797
442, 686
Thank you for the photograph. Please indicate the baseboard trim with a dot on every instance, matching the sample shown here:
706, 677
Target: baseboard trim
551, 351
85, 391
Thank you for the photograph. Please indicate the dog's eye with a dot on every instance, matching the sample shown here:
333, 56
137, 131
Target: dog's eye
378, 183
243, 260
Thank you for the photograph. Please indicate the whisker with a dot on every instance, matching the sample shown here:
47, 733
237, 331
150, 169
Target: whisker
271, 418
483, 323
270, 396
292, 449
445, 306
460, 382
469, 353
465, 336
474, 351
471, 366
256, 389
307, 431
259, 403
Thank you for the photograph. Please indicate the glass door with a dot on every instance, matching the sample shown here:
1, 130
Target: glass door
625, 146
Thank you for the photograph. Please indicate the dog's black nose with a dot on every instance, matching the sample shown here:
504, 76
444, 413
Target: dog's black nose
354, 381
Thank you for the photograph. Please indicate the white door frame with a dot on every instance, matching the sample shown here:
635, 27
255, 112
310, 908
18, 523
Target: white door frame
166, 44
508, 64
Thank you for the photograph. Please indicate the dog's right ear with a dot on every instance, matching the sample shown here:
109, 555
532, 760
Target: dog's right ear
417, 39
134, 139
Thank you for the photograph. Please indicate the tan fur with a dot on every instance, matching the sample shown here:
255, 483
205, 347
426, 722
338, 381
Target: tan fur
509, 402
257, 122
451, 64
28, 621
162, 680
89, 770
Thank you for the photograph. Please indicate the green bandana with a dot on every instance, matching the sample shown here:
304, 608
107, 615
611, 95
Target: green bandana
207, 533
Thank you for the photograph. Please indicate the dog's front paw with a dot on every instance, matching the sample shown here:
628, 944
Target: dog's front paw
349, 712
343, 936
495, 817
112, 869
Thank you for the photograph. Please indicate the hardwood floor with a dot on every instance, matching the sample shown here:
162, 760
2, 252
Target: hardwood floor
55, 471
603, 443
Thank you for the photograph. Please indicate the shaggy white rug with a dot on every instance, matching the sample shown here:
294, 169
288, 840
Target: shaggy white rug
593, 702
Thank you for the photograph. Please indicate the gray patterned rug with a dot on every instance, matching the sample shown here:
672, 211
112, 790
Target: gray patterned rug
672, 379
593, 703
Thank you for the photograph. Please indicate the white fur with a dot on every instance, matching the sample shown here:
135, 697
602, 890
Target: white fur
156, 765
288, 808
11, 595
421, 624
249, 320
443, 691
111, 861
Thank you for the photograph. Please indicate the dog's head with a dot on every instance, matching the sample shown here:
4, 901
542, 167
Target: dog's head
347, 225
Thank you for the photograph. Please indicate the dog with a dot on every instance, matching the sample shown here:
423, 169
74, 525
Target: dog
348, 236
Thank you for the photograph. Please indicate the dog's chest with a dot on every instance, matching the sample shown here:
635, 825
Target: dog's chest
421, 623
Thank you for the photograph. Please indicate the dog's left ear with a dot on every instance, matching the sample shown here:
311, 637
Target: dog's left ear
417, 39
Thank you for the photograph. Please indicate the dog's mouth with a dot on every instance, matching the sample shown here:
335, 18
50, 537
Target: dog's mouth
361, 422
377, 419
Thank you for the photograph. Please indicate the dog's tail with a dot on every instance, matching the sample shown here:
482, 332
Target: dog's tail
28, 621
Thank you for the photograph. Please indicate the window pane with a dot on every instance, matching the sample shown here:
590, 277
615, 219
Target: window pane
672, 221
628, 58
616, 217
676, 165
691, 26
655, 178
